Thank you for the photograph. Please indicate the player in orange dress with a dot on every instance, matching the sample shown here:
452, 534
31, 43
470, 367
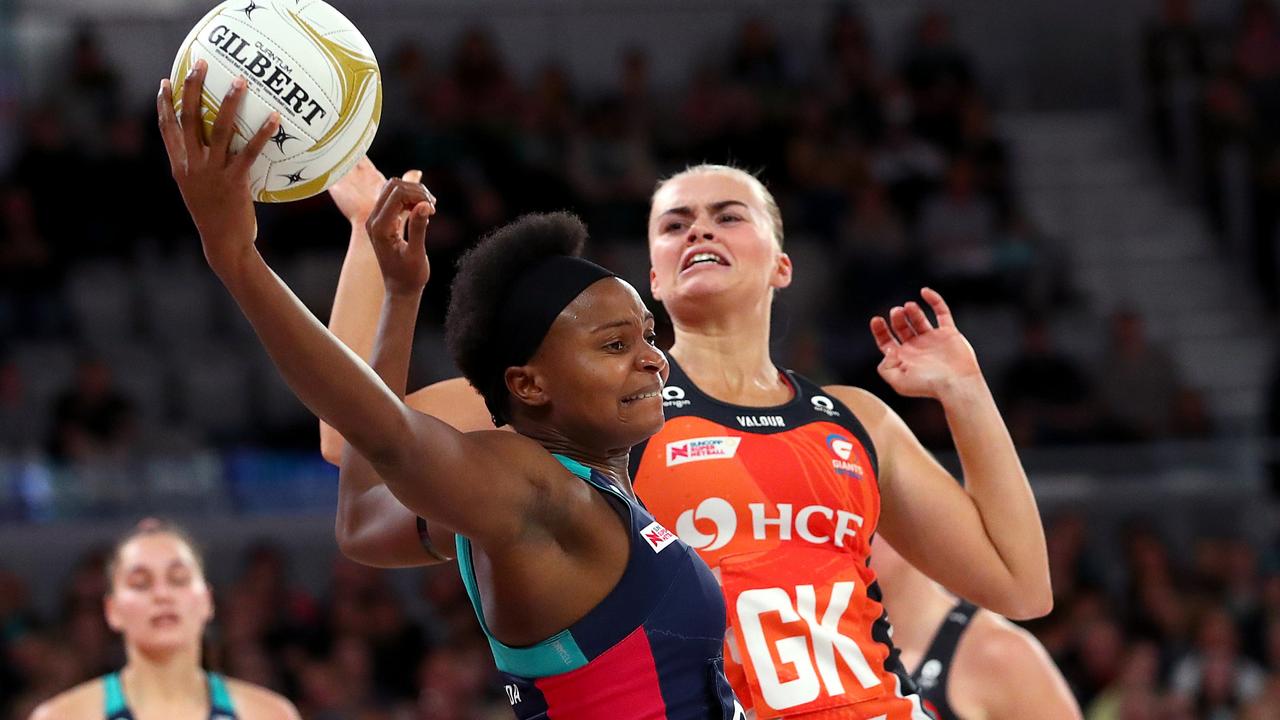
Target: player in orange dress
779, 483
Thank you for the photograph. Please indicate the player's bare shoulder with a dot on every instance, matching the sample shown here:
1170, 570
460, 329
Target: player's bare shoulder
1013, 672
254, 702
86, 700
870, 409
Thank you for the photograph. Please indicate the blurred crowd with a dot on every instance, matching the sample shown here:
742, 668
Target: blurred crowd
890, 173
1144, 627
1213, 106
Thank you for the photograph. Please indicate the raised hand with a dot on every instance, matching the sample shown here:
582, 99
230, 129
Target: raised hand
921, 360
403, 260
357, 192
214, 181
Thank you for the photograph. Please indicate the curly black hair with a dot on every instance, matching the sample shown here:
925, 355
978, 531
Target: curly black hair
485, 272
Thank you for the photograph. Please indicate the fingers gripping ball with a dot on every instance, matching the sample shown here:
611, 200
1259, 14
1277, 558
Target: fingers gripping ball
302, 59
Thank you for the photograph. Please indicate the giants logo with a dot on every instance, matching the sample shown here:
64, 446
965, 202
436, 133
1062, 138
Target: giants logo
842, 448
707, 448
836, 527
657, 536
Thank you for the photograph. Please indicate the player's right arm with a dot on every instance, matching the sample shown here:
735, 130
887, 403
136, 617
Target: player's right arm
480, 484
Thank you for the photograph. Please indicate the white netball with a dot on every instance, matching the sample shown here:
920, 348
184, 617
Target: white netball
302, 59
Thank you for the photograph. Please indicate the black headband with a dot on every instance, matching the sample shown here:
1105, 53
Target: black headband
532, 303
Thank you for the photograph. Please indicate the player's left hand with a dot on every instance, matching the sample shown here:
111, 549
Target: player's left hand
921, 360
402, 256
213, 180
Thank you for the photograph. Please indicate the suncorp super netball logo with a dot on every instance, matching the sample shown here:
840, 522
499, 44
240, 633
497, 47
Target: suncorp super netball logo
843, 464
704, 448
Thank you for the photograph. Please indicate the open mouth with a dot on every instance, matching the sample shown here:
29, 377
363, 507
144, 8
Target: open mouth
703, 257
641, 396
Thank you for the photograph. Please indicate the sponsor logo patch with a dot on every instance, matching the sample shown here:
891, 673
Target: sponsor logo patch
824, 405
673, 396
657, 536
843, 464
706, 448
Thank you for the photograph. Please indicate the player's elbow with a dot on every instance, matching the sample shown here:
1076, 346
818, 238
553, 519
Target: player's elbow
331, 444
1029, 605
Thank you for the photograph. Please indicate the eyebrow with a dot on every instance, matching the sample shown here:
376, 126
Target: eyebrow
648, 316
685, 210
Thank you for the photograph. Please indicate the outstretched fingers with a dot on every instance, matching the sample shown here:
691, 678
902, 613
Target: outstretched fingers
224, 126
385, 218
170, 131
419, 218
883, 337
917, 319
245, 158
939, 307
191, 118
397, 198
901, 326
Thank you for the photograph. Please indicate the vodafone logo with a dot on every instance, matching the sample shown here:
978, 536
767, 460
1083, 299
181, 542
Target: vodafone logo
657, 536
714, 523
843, 463
706, 448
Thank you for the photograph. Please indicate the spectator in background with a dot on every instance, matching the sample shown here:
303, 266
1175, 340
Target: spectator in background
28, 273
850, 77
91, 96
906, 165
940, 75
1214, 675
1138, 381
15, 420
957, 237
1175, 61
610, 166
1048, 395
823, 160
756, 61
92, 419
872, 246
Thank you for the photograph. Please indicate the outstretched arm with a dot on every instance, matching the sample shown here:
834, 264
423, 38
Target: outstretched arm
438, 472
984, 540
372, 526
360, 293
